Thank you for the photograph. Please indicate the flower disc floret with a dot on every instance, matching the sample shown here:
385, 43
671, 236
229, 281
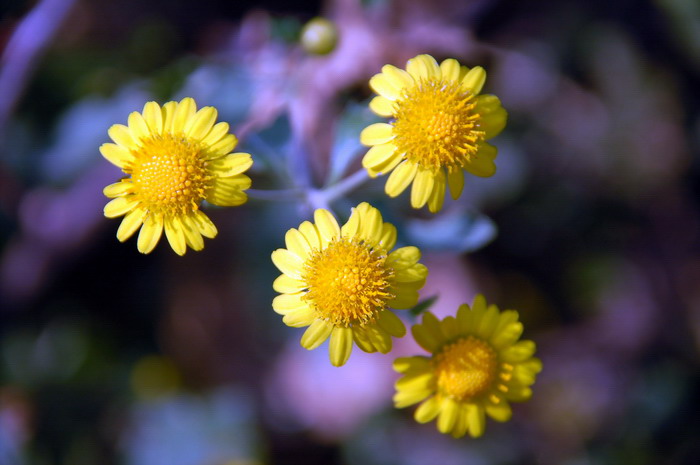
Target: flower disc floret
342, 282
477, 367
439, 129
175, 157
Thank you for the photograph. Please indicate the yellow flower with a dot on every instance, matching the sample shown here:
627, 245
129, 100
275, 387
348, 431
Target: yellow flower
440, 128
341, 282
175, 157
477, 367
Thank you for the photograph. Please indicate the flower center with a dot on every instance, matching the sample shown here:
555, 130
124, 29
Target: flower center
348, 282
436, 125
465, 368
169, 174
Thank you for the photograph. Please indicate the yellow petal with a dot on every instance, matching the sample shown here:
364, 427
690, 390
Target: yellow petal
378, 155
417, 272
116, 155
168, 112
205, 225
387, 240
316, 334
404, 300
130, 224
359, 335
371, 227
428, 410
455, 180
299, 318
425, 338
193, 238
417, 363
286, 285
184, 111
377, 133
216, 134
507, 336
423, 67
449, 327
518, 352
398, 77
232, 164
327, 225
461, 425
422, 188
450, 69
228, 192
117, 189
153, 115
493, 116
481, 164
340, 346
288, 263
296, 243
499, 412
223, 147
384, 87
382, 106
138, 126
406, 398
448, 415
403, 258
119, 206
310, 232
175, 235
150, 234
286, 303
391, 323
488, 322
476, 420
386, 165
437, 196
420, 381
201, 123
400, 178
474, 80
380, 339
122, 136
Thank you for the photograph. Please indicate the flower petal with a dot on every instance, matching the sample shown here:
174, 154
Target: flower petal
175, 235
400, 178
204, 224
116, 155
377, 133
415, 364
450, 69
493, 116
130, 224
404, 257
387, 240
119, 206
327, 225
391, 323
122, 136
378, 155
398, 77
428, 410
448, 415
382, 106
137, 126
150, 234
201, 123
230, 165
286, 303
340, 346
223, 147
437, 197
117, 189
476, 420
481, 164
296, 243
287, 285
384, 87
474, 80
316, 334
423, 67
184, 111
216, 134
299, 318
422, 188
371, 226
455, 180
310, 232
500, 411
518, 352
228, 192
409, 397
288, 263
192, 235
153, 115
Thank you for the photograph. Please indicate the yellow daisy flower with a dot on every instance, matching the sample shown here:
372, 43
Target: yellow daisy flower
440, 128
477, 366
341, 282
175, 157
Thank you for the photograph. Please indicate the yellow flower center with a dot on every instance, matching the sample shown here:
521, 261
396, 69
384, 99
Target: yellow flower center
436, 125
348, 282
465, 368
169, 174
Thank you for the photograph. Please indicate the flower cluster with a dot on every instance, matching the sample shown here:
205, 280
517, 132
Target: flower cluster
343, 283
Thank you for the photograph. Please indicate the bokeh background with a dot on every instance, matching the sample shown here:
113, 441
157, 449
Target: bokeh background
589, 228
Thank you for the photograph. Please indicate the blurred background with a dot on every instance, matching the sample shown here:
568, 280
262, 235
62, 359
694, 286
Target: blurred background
589, 228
